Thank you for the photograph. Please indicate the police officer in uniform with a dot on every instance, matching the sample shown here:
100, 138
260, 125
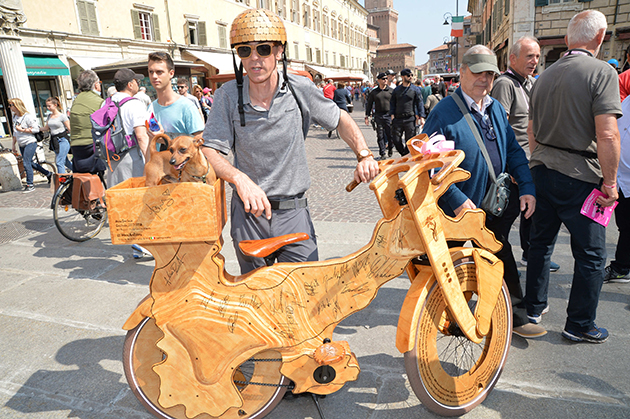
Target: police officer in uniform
407, 111
380, 97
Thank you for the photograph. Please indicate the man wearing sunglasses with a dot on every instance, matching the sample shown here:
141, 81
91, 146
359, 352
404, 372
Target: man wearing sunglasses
479, 67
182, 89
263, 119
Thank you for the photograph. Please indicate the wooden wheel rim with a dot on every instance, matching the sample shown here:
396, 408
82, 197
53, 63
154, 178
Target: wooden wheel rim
144, 382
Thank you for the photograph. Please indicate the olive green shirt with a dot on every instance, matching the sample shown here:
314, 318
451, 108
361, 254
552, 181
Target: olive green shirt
80, 126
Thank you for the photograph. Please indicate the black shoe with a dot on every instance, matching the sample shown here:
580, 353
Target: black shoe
49, 177
390, 152
329, 134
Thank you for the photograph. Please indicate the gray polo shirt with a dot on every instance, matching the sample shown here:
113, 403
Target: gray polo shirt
511, 92
270, 147
565, 101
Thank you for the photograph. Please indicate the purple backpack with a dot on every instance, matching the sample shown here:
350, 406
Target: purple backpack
108, 133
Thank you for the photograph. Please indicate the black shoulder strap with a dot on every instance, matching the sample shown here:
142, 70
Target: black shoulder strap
238, 72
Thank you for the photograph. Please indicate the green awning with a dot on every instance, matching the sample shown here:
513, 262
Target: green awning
44, 66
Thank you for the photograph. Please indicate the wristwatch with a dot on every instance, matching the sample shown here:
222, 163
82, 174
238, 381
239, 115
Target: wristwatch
364, 154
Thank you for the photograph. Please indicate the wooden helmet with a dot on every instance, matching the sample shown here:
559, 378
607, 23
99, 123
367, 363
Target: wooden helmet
257, 25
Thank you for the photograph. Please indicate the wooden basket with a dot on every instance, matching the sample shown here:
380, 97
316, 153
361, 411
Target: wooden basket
171, 213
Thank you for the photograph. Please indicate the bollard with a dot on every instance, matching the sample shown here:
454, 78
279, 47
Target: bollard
9, 172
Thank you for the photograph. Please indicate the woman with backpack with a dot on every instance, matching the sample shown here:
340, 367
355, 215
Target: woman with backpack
24, 127
59, 126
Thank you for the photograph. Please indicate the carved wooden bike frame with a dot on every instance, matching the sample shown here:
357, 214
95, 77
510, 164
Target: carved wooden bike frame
211, 344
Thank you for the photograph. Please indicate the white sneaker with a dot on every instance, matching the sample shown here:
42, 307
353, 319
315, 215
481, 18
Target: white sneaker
140, 252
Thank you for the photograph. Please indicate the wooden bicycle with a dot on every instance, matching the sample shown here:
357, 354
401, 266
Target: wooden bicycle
206, 344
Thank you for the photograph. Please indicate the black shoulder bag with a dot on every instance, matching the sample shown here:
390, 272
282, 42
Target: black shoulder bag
498, 196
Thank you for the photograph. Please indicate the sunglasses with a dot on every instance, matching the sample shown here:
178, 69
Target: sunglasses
263, 50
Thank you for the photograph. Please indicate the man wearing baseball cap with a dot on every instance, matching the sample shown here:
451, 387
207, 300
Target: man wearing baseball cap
133, 114
479, 68
407, 111
379, 98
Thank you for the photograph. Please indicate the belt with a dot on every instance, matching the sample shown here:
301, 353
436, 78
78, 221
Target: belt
288, 204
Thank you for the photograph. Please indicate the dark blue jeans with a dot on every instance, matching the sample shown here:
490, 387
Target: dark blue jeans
559, 199
28, 151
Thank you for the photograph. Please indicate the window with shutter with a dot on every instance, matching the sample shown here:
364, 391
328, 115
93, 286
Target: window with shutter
540, 3
135, 21
155, 22
91, 14
87, 17
201, 29
142, 28
222, 36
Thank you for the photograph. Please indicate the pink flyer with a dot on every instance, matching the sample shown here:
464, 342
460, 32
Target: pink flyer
596, 212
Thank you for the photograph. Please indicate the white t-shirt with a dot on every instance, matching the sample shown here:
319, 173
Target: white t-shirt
133, 113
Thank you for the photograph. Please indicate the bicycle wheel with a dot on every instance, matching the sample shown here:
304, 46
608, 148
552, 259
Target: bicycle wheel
140, 354
73, 224
448, 373
49, 166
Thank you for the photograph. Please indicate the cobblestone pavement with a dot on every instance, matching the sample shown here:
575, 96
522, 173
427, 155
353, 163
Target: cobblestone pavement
331, 164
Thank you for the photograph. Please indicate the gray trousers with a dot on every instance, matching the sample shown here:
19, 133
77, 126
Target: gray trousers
245, 226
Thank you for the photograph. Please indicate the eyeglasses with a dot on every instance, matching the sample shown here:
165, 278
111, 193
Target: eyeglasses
181, 87
263, 50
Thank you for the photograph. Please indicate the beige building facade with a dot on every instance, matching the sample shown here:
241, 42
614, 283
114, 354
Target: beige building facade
324, 37
498, 23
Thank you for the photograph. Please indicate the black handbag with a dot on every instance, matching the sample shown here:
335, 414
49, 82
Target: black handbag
498, 196
54, 140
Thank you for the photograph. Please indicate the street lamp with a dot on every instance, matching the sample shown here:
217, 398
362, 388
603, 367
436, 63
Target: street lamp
448, 19
447, 41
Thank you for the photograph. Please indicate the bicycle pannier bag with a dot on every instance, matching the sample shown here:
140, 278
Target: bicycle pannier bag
87, 191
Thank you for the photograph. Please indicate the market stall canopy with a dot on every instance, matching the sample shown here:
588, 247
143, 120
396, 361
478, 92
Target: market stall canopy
42, 65
88, 63
222, 62
325, 72
347, 77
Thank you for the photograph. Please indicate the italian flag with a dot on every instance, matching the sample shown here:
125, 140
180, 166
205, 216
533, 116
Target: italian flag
457, 26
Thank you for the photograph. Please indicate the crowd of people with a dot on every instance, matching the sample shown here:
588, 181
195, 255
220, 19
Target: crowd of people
554, 148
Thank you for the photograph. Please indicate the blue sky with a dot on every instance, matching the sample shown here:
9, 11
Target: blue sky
420, 23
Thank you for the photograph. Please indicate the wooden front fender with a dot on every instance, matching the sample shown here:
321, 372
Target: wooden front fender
410, 311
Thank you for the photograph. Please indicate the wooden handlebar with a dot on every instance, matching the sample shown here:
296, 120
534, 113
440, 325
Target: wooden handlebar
350, 187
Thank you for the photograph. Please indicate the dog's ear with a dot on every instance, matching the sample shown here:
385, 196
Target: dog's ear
199, 142
162, 142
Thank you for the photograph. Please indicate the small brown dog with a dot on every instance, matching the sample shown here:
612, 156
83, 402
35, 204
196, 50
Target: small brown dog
177, 160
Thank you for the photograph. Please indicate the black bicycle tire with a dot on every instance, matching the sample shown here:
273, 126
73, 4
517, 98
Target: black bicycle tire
56, 204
